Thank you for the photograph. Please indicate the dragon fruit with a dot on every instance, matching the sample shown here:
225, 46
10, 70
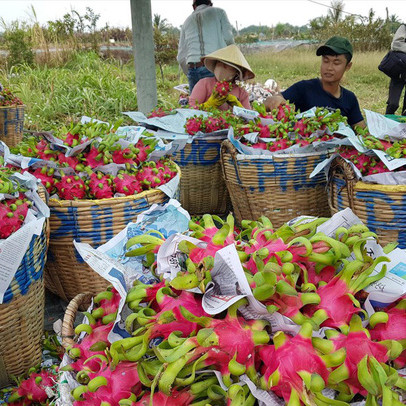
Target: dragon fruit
337, 302
145, 147
12, 215
70, 161
223, 88
100, 186
109, 385
148, 176
127, 184
94, 157
391, 325
71, 187
293, 368
227, 345
33, 390
194, 125
45, 175
126, 155
280, 144
147, 324
356, 344
182, 398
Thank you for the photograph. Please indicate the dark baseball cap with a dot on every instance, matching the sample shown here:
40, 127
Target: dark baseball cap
339, 45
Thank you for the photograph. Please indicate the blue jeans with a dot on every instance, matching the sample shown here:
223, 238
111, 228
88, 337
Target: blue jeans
195, 74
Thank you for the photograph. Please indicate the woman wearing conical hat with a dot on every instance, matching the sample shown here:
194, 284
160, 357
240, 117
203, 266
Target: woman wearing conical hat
227, 64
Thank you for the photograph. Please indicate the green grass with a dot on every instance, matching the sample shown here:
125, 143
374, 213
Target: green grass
88, 85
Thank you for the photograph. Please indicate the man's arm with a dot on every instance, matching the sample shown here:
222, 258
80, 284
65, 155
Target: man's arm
226, 29
360, 124
273, 102
182, 52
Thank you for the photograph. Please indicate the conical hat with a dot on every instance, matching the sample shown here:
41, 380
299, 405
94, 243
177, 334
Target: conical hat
232, 56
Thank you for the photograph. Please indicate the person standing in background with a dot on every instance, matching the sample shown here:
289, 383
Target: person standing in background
206, 30
397, 84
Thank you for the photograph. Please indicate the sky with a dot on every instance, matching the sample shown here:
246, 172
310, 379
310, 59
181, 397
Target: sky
241, 13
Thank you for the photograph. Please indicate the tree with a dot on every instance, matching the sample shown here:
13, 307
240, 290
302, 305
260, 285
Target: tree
335, 12
160, 24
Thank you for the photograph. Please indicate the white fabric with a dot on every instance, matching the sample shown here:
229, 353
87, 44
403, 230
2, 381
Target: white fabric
215, 30
399, 39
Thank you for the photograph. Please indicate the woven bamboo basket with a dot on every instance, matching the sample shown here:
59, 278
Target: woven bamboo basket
82, 300
11, 124
278, 187
22, 313
88, 221
381, 207
202, 187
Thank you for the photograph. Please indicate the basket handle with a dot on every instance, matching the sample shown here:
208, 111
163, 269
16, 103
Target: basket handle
67, 331
227, 147
339, 164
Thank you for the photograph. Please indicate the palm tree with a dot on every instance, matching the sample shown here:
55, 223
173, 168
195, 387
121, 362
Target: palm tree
335, 12
160, 24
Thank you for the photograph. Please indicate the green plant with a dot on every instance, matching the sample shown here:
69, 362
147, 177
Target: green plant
19, 44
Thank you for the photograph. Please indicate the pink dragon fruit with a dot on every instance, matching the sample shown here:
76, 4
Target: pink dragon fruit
391, 325
301, 127
33, 389
166, 170
182, 398
228, 345
94, 157
194, 125
100, 186
292, 367
148, 176
45, 175
127, 184
284, 113
70, 161
280, 144
12, 216
356, 344
71, 187
72, 140
337, 302
223, 88
126, 155
144, 147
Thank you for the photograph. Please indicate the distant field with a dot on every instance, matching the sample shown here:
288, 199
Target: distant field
103, 88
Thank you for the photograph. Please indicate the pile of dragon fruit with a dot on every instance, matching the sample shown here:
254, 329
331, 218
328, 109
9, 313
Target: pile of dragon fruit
287, 129
173, 346
82, 175
7, 98
215, 121
13, 207
369, 163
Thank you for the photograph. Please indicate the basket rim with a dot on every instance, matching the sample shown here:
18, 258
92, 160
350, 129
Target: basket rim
13, 106
91, 202
241, 156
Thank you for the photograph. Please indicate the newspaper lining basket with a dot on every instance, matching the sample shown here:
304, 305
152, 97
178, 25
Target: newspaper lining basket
11, 124
89, 221
381, 207
278, 187
22, 313
202, 186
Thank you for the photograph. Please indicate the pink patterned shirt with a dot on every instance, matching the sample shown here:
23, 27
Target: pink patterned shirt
204, 87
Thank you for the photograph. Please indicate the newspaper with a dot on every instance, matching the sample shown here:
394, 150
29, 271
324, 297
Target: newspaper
246, 114
173, 123
12, 251
110, 262
380, 126
265, 398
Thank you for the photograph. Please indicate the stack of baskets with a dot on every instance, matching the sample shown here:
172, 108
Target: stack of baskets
202, 186
11, 124
88, 221
381, 207
22, 313
278, 187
